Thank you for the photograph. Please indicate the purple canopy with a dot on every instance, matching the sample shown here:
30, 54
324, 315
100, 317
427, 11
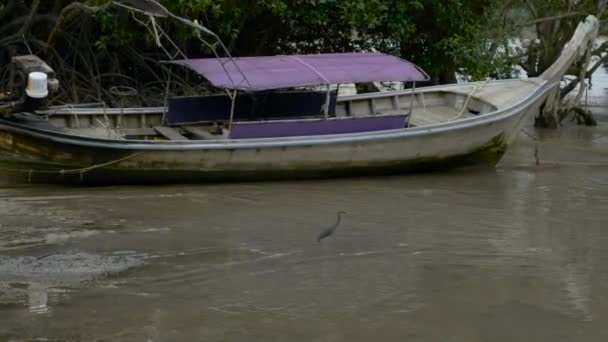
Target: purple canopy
274, 72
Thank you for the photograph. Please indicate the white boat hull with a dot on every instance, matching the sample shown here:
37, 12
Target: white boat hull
442, 139
482, 140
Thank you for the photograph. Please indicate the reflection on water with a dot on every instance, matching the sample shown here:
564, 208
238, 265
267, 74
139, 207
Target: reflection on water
38, 298
516, 254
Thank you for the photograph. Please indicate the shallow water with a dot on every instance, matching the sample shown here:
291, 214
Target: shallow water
513, 254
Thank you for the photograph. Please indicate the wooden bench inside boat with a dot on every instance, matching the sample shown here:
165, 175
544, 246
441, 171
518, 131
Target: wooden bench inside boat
294, 128
169, 133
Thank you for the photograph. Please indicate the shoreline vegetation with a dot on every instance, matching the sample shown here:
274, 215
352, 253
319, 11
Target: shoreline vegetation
94, 46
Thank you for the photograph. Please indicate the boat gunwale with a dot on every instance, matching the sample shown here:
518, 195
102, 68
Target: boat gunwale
185, 145
438, 88
159, 110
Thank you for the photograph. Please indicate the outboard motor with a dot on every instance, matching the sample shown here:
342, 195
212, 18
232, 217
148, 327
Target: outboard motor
31, 82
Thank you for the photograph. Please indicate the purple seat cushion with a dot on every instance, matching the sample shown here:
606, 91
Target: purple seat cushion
294, 128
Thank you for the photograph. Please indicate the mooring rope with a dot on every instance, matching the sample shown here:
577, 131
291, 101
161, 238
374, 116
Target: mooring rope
97, 166
476, 89
82, 171
536, 145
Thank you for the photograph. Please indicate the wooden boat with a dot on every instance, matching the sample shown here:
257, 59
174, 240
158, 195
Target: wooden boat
432, 128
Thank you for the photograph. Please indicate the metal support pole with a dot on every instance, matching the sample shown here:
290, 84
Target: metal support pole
412, 97
167, 91
327, 101
232, 105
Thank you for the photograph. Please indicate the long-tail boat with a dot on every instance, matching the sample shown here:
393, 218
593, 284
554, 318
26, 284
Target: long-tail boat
268, 125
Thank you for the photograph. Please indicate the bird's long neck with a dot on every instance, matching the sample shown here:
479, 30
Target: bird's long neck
339, 218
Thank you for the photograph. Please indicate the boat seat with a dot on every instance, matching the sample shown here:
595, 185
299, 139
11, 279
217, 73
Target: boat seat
202, 134
392, 111
169, 133
135, 132
294, 128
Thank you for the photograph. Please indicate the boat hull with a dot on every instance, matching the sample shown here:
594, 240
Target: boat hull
46, 157
191, 167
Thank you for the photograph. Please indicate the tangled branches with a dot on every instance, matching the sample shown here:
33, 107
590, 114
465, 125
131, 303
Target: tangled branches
87, 53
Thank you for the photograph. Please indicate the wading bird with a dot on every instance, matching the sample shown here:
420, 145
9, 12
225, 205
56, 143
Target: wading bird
330, 230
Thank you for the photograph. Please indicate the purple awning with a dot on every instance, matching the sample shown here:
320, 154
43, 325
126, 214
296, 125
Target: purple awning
274, 72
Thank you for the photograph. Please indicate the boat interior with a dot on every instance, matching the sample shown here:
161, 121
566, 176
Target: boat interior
286, 113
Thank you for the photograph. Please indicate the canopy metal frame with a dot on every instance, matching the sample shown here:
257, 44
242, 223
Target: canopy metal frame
152, 9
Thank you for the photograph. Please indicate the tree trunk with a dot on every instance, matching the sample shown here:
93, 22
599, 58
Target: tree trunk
447, 77
548, 117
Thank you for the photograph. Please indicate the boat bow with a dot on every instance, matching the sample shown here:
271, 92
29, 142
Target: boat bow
575, 49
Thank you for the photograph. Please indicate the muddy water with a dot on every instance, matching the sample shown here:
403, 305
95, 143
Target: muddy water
519, 253
515, 254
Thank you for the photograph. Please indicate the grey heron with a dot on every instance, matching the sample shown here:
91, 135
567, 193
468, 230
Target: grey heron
330, 230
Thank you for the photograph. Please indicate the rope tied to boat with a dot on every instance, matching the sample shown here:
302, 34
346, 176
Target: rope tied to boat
476, 89
536, 146
80, 171
97, 166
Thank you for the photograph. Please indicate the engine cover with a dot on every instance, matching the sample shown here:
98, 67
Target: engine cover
22, 66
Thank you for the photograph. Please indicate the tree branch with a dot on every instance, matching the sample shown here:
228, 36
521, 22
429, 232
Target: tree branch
532, 8
572, 85
505, 7
600, 49
597, 65
9, 8
30, 18
553, 18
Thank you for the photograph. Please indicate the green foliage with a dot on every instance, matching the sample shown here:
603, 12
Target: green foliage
443, 36
452, 35
552, 23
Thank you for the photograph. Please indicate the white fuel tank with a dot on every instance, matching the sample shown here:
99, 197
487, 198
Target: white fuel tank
37, 85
